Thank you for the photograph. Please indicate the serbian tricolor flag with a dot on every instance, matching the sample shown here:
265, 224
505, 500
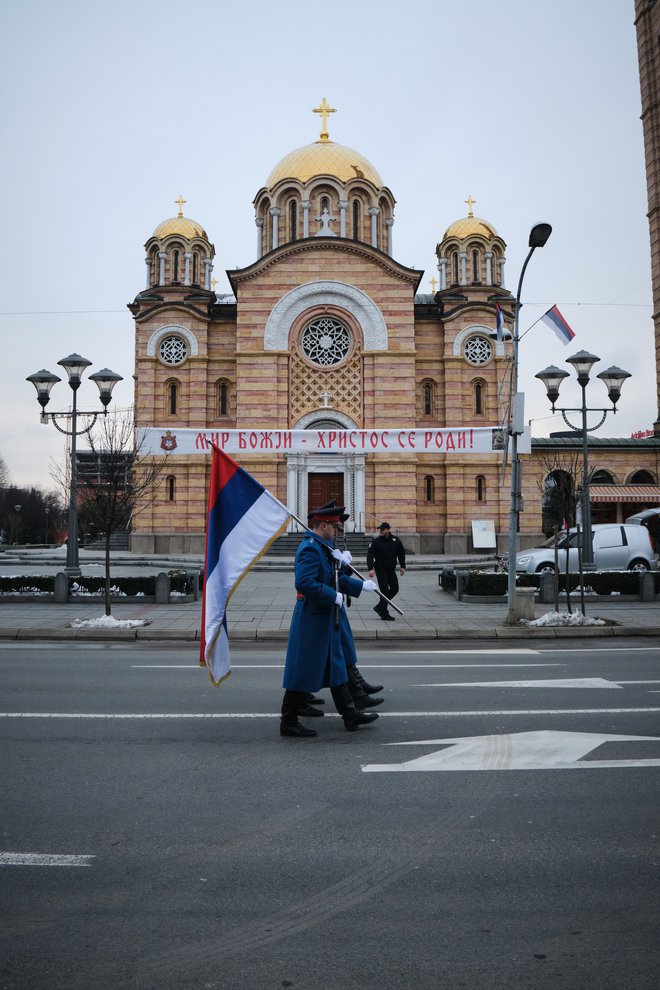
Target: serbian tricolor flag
556, 322
499, 322
243, 520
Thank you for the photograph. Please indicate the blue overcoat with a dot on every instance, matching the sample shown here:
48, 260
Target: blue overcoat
315, 655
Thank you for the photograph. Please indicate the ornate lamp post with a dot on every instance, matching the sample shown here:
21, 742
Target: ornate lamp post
43, 381
538, 237
613, 379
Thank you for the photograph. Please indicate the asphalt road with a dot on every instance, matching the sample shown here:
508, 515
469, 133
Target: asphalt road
512, 842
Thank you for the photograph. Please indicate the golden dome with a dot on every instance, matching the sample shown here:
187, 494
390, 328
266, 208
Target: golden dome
468, 227
324, 158
182, 226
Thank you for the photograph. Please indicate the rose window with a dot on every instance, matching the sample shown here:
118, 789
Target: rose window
173, 350
478, 350
325, 341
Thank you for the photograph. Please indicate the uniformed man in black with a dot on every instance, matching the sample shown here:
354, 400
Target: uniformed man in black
384, 552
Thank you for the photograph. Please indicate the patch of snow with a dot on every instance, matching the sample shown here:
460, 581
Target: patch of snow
108, 622
562, 619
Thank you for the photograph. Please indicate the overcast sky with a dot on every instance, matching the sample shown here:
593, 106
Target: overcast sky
110, 111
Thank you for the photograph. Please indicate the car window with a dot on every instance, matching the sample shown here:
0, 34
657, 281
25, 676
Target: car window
610, 537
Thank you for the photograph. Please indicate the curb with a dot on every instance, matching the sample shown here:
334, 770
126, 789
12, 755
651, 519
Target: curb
144, 634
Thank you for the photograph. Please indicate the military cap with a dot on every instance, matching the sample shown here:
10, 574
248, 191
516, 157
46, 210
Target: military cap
331, 512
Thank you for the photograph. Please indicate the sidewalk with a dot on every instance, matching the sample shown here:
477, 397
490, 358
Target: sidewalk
261, 608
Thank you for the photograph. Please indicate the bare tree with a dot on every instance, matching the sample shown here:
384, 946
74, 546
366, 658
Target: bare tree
113, 483
4, 474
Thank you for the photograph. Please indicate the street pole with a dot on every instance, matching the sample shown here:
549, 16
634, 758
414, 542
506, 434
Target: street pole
587, 533
72, 557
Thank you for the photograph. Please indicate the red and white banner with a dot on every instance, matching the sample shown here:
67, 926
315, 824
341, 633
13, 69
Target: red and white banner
459, 441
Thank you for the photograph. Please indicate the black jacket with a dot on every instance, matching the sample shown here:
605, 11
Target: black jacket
384, 552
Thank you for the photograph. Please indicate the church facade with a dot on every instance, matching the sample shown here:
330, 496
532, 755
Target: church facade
326, 330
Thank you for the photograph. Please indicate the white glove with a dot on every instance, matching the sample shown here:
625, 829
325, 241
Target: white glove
369, 585
339, 599
343, 556
336, 553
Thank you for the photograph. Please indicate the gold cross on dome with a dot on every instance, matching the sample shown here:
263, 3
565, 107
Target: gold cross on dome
470, 203
433, 284
324, 109
214, 282
179, 202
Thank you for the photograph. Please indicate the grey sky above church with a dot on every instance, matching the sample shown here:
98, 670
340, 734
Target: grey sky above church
112, 111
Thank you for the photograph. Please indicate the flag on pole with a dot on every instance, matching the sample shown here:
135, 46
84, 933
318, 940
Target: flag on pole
556, 322
499, 322
243, 520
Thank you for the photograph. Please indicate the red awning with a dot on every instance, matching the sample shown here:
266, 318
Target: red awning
625, 493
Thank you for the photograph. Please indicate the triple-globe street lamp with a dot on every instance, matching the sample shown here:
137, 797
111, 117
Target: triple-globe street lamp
43, 381
613, 378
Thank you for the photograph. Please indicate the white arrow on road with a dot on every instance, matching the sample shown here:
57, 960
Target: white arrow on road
543, 750
569, 682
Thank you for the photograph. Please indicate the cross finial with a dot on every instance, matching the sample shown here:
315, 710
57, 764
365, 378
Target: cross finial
179, 202
214, 282
470, 203
433, 284
326, 396
324, 109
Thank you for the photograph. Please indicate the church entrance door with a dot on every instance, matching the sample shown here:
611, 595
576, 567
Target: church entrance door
323, 488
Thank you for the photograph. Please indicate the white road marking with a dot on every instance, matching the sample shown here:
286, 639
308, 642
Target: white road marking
569, 682
493, 652
424, 714
363, 666
43, 859
544, 750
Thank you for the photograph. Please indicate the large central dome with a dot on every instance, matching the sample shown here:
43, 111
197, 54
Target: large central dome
324, 157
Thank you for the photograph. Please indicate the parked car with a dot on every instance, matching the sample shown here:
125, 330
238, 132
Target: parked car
651, 519
616, 548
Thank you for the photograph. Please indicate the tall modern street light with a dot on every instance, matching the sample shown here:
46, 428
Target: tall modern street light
538, 237
43, 381
613, 379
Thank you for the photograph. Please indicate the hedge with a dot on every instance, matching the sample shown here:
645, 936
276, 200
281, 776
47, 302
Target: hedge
181, 582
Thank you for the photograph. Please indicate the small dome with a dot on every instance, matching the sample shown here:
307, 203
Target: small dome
468, 227
324, 158
182, 226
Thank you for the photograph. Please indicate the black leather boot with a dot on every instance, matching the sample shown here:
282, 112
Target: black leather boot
361, 699
290, 725
346, 707
366, 687
313, 700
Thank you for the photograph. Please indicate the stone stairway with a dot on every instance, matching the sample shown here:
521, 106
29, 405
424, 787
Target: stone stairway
287, 545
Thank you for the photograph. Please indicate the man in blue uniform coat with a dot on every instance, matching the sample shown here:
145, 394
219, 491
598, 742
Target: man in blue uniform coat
315, 656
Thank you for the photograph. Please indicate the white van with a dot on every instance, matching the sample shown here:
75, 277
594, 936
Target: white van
616, 548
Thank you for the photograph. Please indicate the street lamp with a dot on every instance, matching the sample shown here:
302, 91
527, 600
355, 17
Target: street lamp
538, 237
613, 379
43, 381
17, 510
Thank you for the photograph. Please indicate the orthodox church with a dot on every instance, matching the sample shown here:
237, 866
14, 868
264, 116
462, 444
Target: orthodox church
327, 331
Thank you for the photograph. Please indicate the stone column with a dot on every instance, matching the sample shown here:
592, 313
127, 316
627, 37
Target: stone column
208, 268
373, 213
442, 270
358, 482
147, 262
389, 223
305, 206
260, 226
186, 277
463, 258
275, 214
489, 267
342, 217
161, 271
502, 263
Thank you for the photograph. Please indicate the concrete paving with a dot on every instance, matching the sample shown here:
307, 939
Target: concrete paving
262, 604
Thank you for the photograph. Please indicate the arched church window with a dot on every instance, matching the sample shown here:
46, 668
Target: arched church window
223, 398
481, 488
478, 398
428, 398
155, 267
195, 268
325, 341
429, 489
325, 204
475, 266
173, 350
356, 220
172, 398
175, 266
171, 487
454, 267
293, 220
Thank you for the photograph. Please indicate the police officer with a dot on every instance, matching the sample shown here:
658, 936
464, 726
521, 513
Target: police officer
382, 556
315, 657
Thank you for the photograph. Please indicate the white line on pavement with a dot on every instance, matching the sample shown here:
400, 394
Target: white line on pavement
446, 714
363, 666
42, 859
569, 682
